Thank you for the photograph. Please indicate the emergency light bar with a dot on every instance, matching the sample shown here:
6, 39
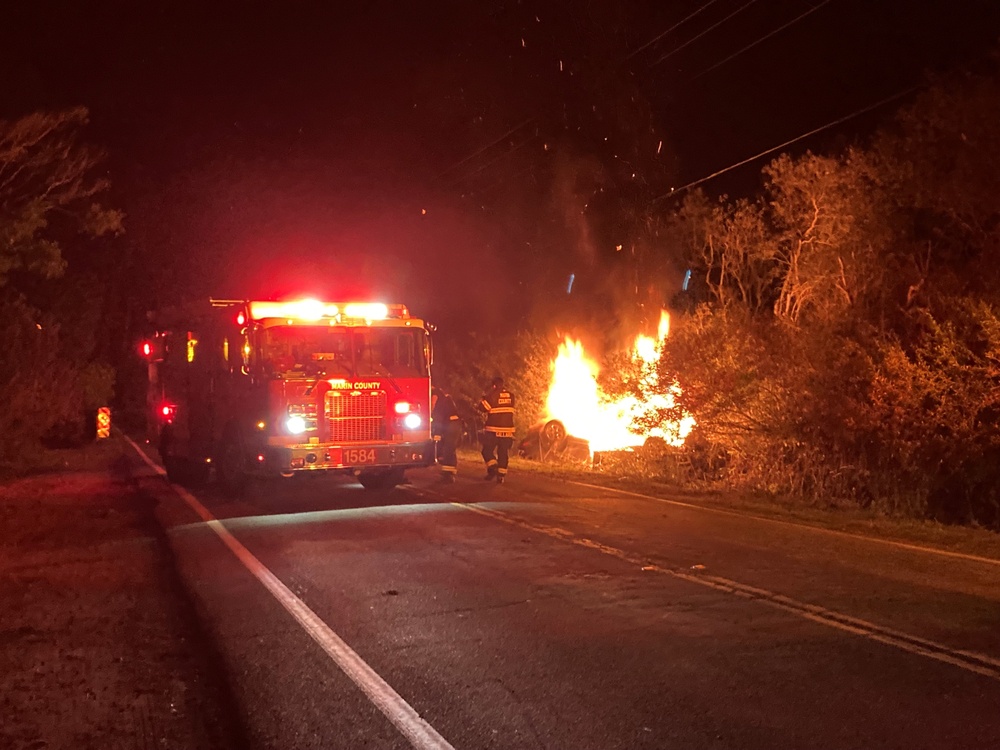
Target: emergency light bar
306, 309
366, 310
311, 310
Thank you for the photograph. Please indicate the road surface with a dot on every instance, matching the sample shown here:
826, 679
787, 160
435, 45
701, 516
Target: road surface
549, 614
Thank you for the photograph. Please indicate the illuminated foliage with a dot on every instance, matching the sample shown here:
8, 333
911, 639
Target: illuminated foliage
47, 190
49, 375
30, 371
848, 343
465, 364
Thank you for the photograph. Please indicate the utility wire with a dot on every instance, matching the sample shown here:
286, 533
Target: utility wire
766, 36
630, 55
495, 159
500, 181
845, 118
699, 36
660, 36
714, 26
487, 147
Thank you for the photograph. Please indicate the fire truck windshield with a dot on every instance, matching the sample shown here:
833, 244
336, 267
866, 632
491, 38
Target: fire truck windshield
296, 351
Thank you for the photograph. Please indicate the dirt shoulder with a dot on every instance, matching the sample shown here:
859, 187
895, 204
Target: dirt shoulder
99, 645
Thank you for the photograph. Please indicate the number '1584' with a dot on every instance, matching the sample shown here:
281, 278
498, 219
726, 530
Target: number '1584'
359, 456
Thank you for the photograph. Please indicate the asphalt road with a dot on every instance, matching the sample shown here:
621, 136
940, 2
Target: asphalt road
547, 614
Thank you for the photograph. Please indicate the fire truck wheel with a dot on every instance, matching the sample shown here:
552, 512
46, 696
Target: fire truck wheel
229, 468
185, 472
198, 473
175, 469
381, 479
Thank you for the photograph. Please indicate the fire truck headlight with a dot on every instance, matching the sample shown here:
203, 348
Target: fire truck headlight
296, 425
412, 421
402, 407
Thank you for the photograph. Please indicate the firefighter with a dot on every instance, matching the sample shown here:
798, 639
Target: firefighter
498, 433
446, 427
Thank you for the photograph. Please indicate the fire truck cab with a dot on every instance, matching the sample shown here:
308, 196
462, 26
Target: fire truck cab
279, 388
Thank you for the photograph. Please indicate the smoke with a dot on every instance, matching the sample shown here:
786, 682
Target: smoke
575, 182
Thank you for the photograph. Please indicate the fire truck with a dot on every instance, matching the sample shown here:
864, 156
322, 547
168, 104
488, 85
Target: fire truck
258, 388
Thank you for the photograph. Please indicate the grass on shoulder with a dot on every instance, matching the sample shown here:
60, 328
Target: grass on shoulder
88, 456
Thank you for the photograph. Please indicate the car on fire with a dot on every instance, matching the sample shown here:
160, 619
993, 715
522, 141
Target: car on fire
548, 440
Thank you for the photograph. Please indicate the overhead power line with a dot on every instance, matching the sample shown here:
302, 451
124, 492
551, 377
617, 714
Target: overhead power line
652, 41
630, 55
763, 38
845, 118
660, 36
487, 147
495, 159
695, 38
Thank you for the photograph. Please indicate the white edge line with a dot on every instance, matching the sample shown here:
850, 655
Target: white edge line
402, 715
797, 525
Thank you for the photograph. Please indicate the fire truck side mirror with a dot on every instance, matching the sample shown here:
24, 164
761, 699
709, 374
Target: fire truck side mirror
428, 349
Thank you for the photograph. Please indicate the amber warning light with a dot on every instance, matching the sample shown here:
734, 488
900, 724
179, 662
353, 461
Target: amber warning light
103, 422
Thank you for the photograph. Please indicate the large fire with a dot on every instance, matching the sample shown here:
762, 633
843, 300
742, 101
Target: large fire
576, 399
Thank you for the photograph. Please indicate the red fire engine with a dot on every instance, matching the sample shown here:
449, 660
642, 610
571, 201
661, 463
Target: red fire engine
267, 388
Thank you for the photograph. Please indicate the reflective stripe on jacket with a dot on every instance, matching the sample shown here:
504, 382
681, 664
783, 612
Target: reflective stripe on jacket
498, 403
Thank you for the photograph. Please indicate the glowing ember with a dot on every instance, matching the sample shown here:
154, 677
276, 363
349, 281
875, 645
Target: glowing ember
576, 400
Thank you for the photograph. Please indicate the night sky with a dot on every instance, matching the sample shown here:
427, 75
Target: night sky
449, 155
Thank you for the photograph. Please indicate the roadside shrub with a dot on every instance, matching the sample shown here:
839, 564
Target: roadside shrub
466, 363
38, 387
847, 415
931, 420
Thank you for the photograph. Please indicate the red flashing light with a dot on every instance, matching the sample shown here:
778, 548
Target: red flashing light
305, 310
312, 311
168, 412
366, 310
147, 348
240, 318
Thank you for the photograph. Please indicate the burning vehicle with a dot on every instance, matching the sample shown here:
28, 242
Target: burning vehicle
548, 441
581, 420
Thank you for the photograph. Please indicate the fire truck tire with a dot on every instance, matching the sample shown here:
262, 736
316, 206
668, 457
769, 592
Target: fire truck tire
180, 469
185, 472
230, 469
175, 469
381, 479
198, 473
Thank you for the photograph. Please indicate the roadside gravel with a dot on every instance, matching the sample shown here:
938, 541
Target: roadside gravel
99, 644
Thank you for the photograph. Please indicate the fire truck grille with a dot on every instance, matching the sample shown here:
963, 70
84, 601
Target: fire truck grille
356, 416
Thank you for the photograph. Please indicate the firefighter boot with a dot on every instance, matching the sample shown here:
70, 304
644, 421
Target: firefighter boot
447, 478
499, 478
491, 473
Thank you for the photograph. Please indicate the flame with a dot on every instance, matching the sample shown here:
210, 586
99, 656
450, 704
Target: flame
576, 399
